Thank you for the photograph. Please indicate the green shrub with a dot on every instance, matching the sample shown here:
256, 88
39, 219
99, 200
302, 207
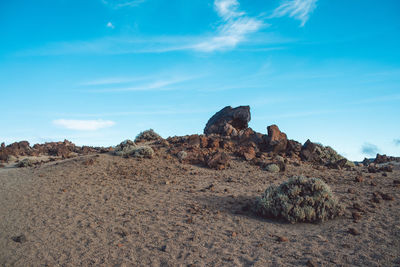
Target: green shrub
300, 199
129, 149
148, 135
125, 148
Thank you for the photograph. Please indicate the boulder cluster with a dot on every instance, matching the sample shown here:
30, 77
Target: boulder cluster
65, 149
227, 134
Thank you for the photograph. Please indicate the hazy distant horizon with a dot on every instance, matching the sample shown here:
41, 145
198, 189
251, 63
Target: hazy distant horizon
99, 72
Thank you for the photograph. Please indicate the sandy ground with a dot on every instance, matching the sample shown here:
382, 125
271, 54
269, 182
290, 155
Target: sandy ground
103, 210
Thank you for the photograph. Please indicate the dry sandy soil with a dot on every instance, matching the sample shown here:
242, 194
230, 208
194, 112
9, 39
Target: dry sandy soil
104, 210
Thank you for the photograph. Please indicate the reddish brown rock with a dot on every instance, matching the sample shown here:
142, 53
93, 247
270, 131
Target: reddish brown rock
359, 179
248, 152
218, 161
354, 231
282, 239
194, 141
276, 141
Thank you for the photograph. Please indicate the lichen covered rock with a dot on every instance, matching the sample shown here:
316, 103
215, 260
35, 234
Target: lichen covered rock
300, 199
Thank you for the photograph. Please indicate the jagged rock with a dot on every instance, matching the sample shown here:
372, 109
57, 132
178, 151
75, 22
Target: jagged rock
276, 140
247, 152
218, 161
16, 149
385, 159
293, 147
373, 168
366, 162
194, 141
228, 121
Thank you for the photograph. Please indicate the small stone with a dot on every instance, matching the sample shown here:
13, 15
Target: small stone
353, 231
376, 199
19, 238
164, 248
234, 234
190, 221
359, 179
356, 216
351, 191
386, 196
372, 183
358, 207
120, 245
282, 239
311, 263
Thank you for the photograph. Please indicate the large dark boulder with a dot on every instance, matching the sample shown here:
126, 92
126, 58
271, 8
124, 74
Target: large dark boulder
229, 121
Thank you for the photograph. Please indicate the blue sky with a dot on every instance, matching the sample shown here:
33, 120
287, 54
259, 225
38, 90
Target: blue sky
100, 71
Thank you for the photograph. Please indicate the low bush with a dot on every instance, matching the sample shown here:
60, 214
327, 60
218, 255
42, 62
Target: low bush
300, 199
148, 135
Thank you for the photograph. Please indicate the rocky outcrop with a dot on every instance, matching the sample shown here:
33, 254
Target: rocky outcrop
385, 159
65, 149
323, 155
228, 121
276, 141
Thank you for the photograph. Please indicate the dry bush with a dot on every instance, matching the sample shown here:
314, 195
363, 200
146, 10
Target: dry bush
300, 199
129, 149
148, 135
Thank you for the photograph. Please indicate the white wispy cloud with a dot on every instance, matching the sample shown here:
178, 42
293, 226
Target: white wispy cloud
234, 29
298, 9
114, 80
110, 25
83, 125
369, 149
123, 3
161, 84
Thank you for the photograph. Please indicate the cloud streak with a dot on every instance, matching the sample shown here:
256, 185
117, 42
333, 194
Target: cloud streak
396, 142
161, 84
83, 125
124, 3
298, 9
110, 25
234, 29
369, 149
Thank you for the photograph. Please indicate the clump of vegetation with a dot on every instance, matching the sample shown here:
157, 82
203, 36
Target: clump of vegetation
128, 148
300, 199
142, 152
125, 148
148, 135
